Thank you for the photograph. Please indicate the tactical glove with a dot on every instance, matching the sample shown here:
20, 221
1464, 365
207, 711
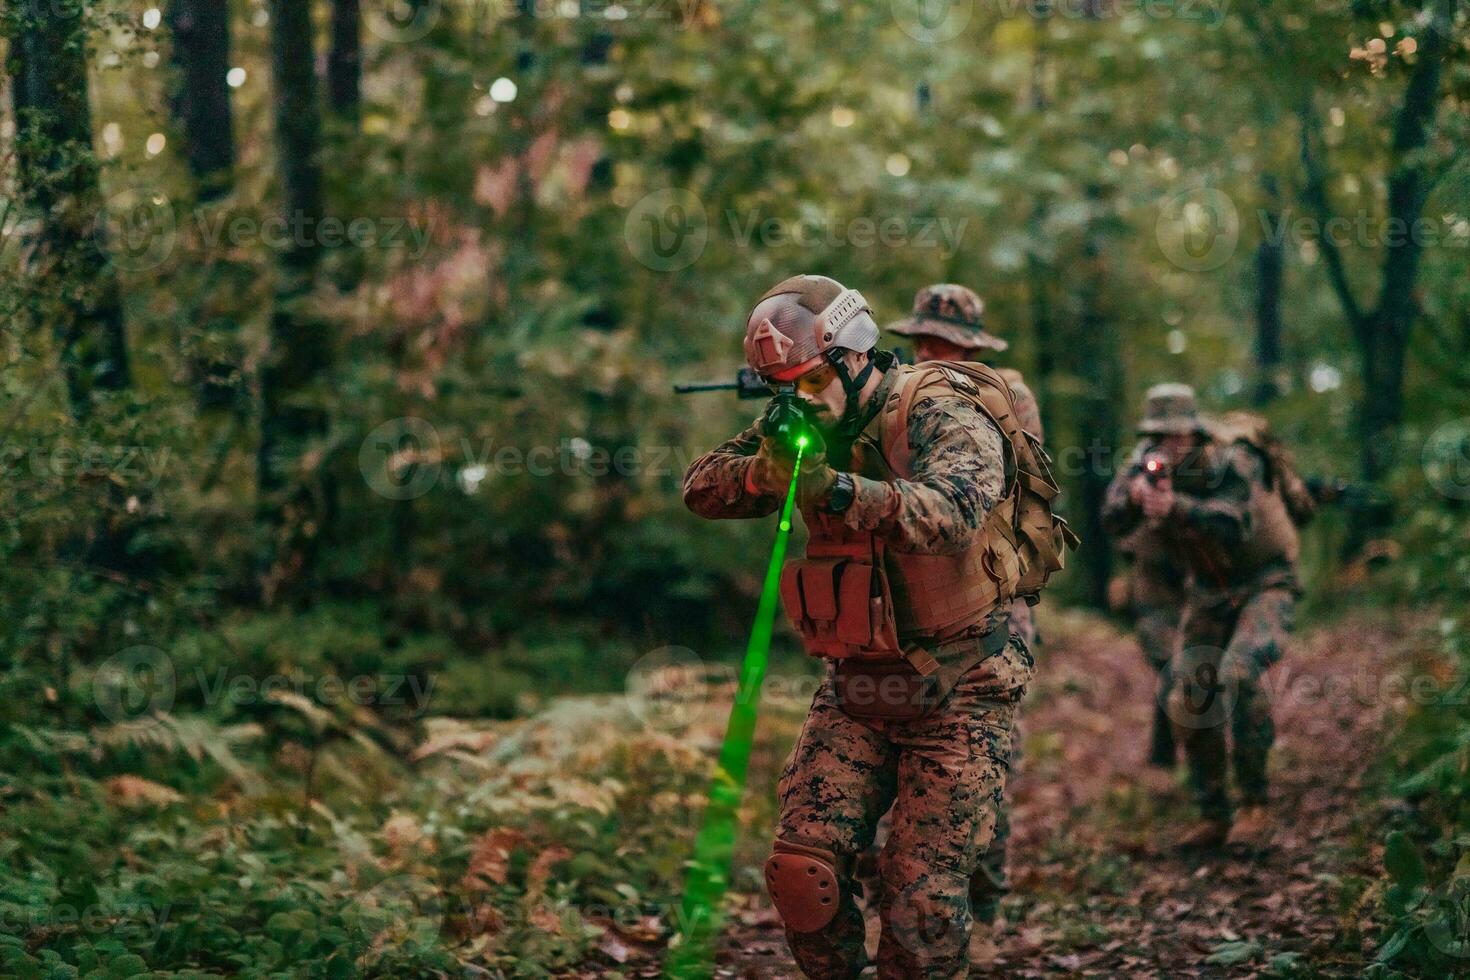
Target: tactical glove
771, 468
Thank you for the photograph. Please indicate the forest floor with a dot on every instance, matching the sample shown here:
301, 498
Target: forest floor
1098, 887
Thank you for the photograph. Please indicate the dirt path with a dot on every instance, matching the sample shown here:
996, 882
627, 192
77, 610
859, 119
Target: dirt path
1099, 891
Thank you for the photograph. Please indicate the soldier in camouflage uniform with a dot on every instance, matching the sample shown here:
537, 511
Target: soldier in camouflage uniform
947, 324
926, 730
1215, 506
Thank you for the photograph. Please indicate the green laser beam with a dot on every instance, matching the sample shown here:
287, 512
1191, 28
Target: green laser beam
714, 848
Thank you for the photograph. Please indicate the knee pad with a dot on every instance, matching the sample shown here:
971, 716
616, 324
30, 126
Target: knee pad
804, 885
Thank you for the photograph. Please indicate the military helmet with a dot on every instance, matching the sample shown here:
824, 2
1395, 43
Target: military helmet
796, 323
1170, 409
952, 313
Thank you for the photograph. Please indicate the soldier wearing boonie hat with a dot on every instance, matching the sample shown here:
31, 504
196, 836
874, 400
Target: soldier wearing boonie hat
951, 313
1171, 409
948, 324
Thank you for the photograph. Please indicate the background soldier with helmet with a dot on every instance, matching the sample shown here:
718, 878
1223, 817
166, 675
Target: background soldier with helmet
906, 592
1224, 500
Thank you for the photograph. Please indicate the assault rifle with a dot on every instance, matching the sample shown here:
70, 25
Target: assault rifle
748, 384
788, 421
1336, 490
1357, 497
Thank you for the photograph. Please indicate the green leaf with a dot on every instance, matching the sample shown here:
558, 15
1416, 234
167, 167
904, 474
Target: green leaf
1233, 953
127, 965
1395, 945
1402, 861
1284, 964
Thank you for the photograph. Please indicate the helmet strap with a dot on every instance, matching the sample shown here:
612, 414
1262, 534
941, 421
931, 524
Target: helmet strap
852, 387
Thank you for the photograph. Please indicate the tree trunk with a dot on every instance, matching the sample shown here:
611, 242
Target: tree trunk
201, 101
1043, 329
1382, 364
1269, 268
293, 507
1097, 367
58, 176
344, 61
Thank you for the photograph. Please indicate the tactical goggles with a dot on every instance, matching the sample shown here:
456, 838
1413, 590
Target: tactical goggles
813, 382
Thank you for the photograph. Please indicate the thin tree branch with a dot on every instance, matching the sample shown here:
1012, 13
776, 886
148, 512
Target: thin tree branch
1314, 194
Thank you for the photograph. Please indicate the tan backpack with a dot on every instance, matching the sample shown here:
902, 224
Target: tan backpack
1023, 520
1281, 471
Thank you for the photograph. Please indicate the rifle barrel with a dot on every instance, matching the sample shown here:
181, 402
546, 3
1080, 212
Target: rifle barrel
698, 386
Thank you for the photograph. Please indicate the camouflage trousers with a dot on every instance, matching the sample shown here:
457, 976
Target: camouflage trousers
989, 883
944, 777
1228, 642
1158, 635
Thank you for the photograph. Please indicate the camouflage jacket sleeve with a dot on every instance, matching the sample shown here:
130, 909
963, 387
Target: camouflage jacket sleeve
1223, 512
714, 486
958, 470
1120, 515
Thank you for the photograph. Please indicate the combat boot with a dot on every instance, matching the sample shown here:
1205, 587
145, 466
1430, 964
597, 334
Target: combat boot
1205, 835
1163, 751
1253, 829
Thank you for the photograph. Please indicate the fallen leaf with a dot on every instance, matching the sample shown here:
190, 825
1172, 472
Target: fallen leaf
490, 860
137, 793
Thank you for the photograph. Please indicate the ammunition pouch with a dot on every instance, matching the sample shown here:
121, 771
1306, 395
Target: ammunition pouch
840, 604
908, 686
884, 690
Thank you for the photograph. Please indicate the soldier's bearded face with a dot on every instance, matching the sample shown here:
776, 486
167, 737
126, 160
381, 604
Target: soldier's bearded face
829, 403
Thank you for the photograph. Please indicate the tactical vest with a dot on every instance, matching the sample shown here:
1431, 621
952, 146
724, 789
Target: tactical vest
853, 596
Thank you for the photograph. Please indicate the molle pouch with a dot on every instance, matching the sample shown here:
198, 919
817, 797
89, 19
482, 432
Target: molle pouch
884, 690
841, 607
